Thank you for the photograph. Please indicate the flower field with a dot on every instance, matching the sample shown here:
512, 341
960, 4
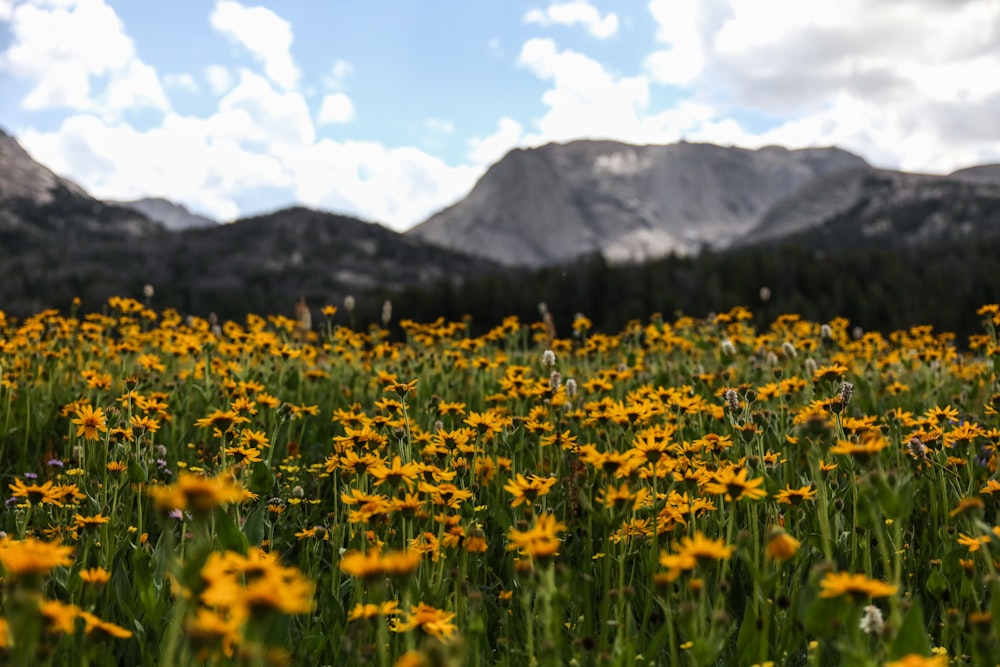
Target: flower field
695, 492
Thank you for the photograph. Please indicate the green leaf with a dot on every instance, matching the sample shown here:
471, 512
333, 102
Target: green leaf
163, 553
230, 535
749, 637
912, 635
147, 585
659, 640
123, 581
195, 555
253, 527
262, 479
61, 578
826, 617
896, 503
936, 583
137, 471
705, 652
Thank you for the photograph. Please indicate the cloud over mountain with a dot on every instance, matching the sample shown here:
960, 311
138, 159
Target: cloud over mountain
264, 98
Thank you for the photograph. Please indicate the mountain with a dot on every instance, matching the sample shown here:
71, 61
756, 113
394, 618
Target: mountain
57, 242
38, 207
989, 173
171, 215
549, 205
23, 178
877, 207
261, 264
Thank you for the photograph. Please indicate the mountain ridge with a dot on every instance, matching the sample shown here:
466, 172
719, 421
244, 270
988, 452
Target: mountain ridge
57, 243
170, 214
570, 202
39, 207
560, 201
24, 178
859, 208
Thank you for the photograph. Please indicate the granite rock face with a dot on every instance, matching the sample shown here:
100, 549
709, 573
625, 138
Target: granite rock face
553, 204
21, 177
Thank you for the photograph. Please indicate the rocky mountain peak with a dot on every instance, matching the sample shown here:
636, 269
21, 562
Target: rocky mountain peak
557, 202
23, 177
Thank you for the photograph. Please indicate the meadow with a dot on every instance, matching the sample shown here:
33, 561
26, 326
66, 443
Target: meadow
180, 491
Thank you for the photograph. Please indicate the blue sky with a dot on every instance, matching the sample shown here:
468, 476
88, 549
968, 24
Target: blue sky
392, 110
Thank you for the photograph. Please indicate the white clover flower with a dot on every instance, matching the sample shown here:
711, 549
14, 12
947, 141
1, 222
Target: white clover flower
872, 622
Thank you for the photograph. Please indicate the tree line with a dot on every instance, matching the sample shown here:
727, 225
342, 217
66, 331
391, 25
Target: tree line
880, 289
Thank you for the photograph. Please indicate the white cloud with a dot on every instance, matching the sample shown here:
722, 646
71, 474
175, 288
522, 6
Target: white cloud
682, 60
857, 74
906, 84
262, 32
576, 12
135, 86
395, 186
6, 9
206, 163
253, 112
218, 78
536, 54
258, 137
176, 160
870, 50
484, 151
61, 47
336, 108
181, 81
585, 99
921, 141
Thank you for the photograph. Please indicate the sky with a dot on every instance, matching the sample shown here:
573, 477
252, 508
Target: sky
390, 110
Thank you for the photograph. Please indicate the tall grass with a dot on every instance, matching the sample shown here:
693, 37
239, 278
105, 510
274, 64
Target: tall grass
693, 493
